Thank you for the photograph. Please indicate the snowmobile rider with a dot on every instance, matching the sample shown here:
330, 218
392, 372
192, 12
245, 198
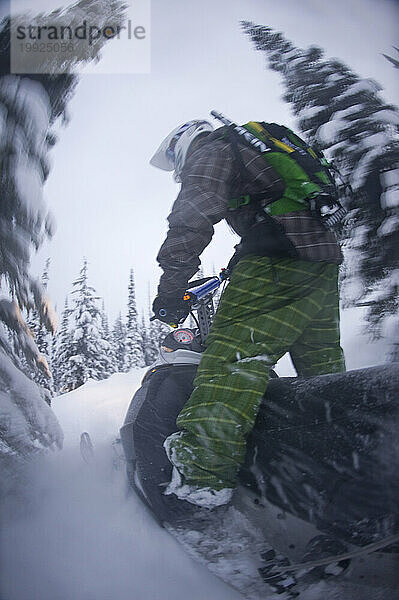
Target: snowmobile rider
282, 296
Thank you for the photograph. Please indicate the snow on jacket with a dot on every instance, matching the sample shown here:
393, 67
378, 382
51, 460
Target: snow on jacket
210, 179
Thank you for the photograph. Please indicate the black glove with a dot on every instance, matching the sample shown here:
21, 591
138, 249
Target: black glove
171, 310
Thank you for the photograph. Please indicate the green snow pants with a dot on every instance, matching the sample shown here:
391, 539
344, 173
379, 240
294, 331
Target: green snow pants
270, 307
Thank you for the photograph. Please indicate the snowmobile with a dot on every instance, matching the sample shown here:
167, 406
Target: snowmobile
318, 495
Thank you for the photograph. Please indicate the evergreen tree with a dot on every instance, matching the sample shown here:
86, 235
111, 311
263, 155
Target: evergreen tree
346, 117
109, 358
62, 352
30, 104
134, 353
119, 343
88, 349
52, 350
42, 339
145, 346
35, 324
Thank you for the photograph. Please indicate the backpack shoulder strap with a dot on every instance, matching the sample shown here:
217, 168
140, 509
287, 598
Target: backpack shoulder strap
271, 134
246, 177
284, 139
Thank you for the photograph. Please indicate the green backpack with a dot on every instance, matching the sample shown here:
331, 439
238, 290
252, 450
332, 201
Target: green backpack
305, 171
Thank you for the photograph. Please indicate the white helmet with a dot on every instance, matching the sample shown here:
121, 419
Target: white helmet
171, 154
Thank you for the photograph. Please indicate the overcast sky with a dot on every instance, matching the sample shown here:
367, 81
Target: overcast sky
109, 204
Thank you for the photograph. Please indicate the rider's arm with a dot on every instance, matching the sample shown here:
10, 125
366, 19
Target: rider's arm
202, 202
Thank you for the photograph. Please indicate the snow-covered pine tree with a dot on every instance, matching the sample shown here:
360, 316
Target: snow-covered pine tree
347, 118
42, 338
88, 349
134, 353
61, 353
109, 358
29, 106
27, 423
144, 341
41, 334
52, 349
119, 343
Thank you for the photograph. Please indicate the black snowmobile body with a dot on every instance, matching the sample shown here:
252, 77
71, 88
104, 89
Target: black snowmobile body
324, 449
320, 480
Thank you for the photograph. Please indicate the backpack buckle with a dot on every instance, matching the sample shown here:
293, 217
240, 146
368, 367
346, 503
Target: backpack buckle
328, 210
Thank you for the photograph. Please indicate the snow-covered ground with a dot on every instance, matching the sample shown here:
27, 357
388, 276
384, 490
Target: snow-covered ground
78, 534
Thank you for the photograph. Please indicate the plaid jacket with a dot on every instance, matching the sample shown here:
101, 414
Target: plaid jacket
210, 179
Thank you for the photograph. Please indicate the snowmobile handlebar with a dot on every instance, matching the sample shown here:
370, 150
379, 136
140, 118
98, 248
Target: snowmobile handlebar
197, 294
202, 288
201, 291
